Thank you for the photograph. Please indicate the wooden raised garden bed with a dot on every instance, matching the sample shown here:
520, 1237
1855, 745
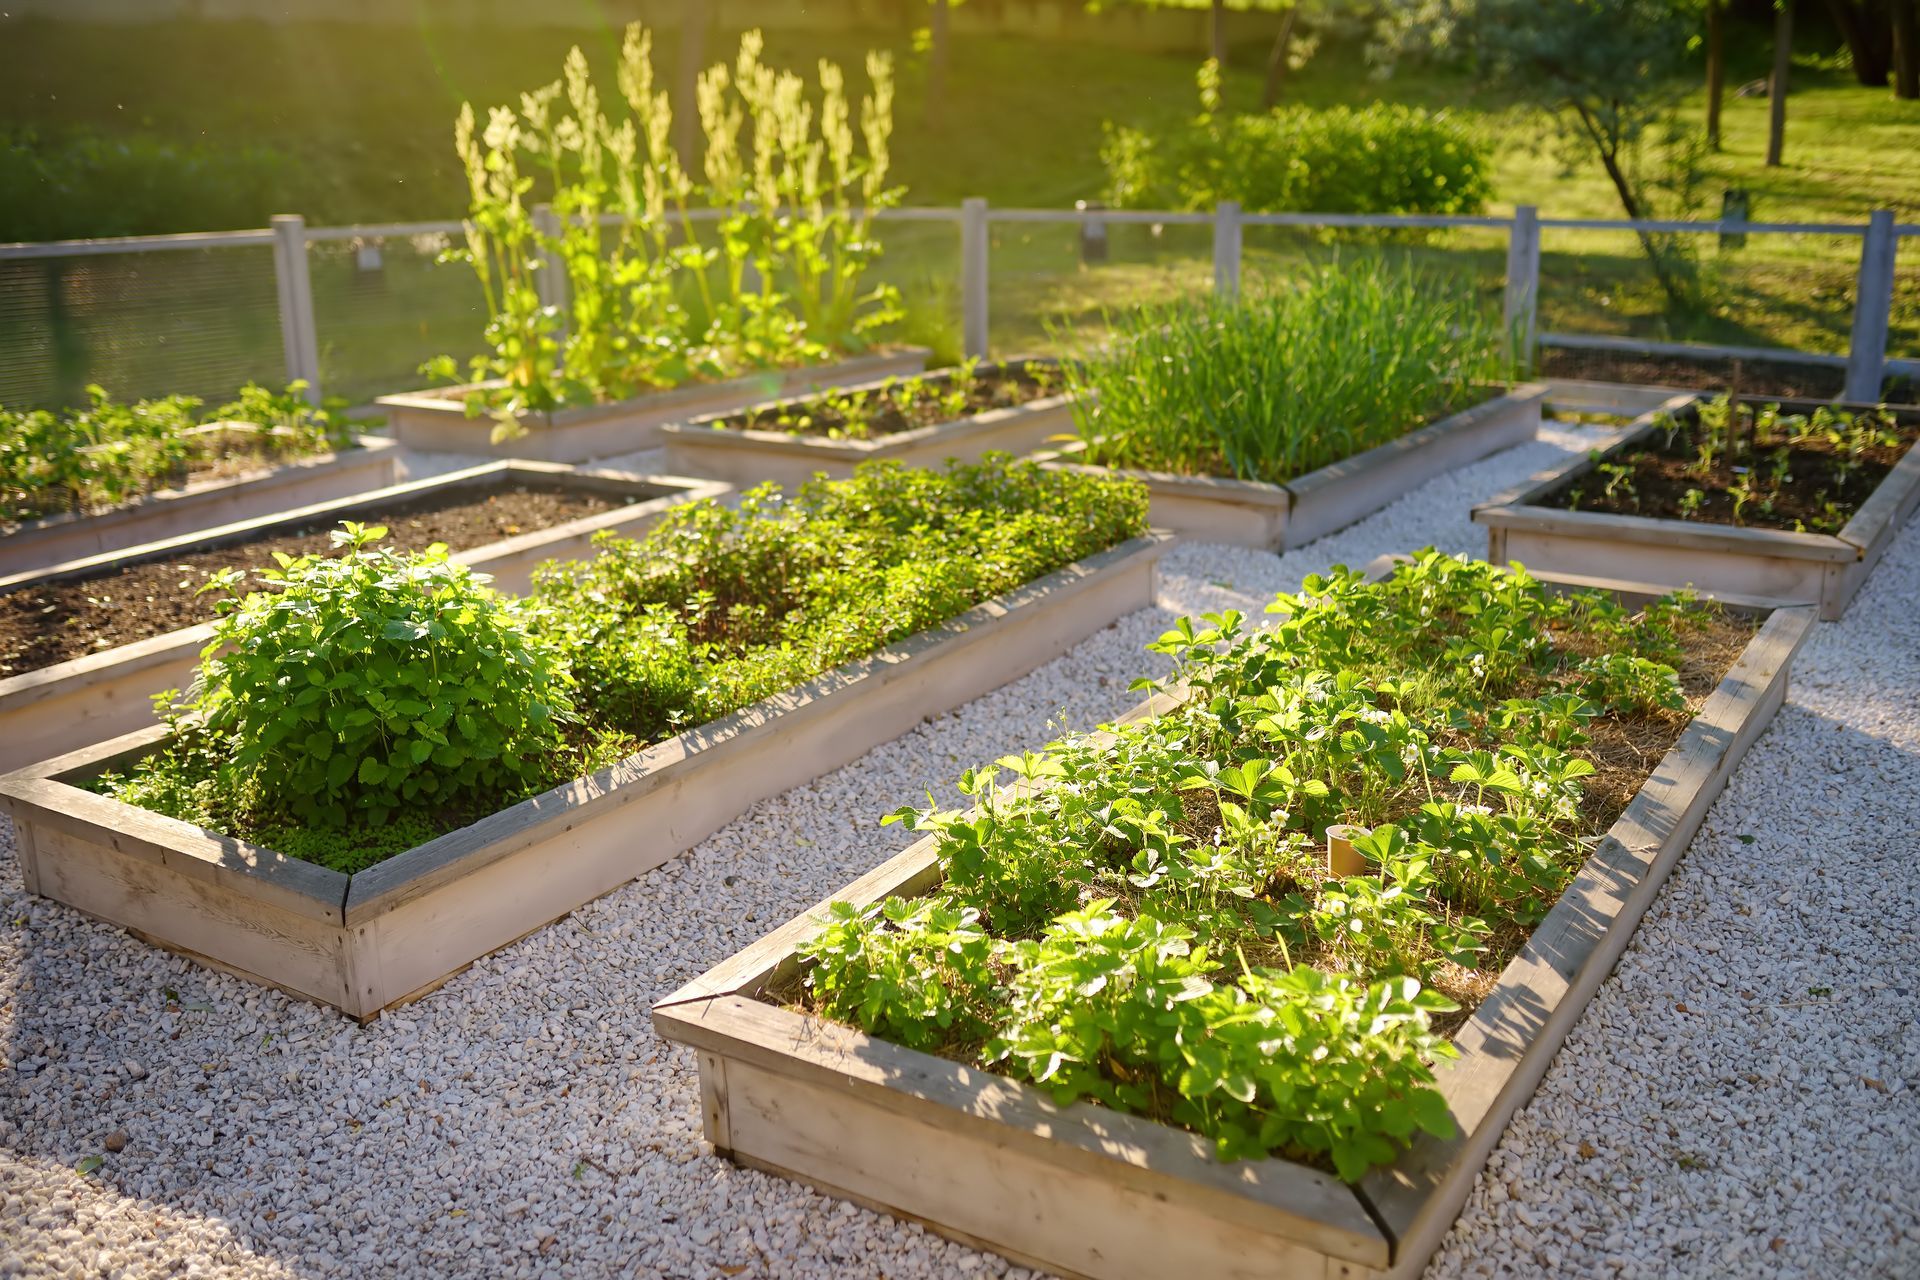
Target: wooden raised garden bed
400, 928
204, 504
1531, 525
437, 420
82, 700
1275, 517
727, 447
1082, 1190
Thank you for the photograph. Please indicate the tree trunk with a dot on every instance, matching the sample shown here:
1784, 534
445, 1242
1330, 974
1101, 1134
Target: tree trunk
1906, 48
1777, 85
1861, 28
1716, 72
1608, 150
1217, 32
695, 17
1277, 60
937, 43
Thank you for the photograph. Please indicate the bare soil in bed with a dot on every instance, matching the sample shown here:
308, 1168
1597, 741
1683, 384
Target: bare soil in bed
45, 624
1821, 489
905, 404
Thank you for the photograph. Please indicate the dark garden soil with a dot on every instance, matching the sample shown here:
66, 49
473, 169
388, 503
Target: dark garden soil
1757, 377
1821, 489
42, 625
921, 401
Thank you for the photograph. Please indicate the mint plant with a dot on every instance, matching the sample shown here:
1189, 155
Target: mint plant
370, 685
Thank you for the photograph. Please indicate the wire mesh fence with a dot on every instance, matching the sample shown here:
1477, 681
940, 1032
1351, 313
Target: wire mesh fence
194, 322
383, 305
143, 319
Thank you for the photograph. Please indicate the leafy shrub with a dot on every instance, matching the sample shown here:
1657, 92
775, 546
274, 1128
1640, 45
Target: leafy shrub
1382, 158
370, 684
1144, 918
1271, 385
108, 454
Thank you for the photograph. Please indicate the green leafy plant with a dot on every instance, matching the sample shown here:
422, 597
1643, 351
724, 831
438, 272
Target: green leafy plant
370, 684
1272, 385
110, 453
1142, 917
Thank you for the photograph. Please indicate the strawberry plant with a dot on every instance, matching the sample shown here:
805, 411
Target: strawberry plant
109, 453
1144, 917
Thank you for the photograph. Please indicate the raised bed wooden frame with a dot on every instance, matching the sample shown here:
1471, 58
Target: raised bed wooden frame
437, 420
168, 513
1084, 1191
85, 700
1822, 569
1275, 517
746, 457
363, 942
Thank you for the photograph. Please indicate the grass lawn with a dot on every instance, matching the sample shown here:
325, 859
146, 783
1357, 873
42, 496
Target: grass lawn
365, 115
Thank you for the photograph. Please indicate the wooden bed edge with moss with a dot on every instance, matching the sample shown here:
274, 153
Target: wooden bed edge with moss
704, 446
400, 928
1277, 517
168, 513
437, 419
97, 696
1822, 569
1083, 1190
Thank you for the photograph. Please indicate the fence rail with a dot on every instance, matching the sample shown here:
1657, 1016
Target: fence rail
1866, 362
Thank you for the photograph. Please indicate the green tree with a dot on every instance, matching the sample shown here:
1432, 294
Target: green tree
1611, 72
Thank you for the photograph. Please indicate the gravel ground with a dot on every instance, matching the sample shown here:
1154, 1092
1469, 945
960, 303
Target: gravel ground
1733, 1103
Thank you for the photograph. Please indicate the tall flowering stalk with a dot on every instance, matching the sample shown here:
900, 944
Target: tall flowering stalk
651, 301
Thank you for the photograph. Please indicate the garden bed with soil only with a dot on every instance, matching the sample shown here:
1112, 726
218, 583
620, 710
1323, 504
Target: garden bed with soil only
1084, 1190
438, 420
231, 493
1277, 517
1658, 503
361, 942
920, 420
85, 645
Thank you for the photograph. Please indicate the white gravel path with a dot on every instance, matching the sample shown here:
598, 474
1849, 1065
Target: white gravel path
525, 1121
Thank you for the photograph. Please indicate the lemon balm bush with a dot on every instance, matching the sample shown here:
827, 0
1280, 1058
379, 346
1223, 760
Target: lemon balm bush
1143, 917
652, 300
1382, 158
365, 704
109, 453
1275, 384
359, 688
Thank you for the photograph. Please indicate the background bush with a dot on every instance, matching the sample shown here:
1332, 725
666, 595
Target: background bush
1382, 158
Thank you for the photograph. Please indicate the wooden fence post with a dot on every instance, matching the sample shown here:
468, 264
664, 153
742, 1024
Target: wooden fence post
1226, 249
1872, 304
973, 277
1522, 308
298, 338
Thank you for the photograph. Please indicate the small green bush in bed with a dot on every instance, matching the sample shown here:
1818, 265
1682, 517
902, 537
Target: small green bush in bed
1275, 384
